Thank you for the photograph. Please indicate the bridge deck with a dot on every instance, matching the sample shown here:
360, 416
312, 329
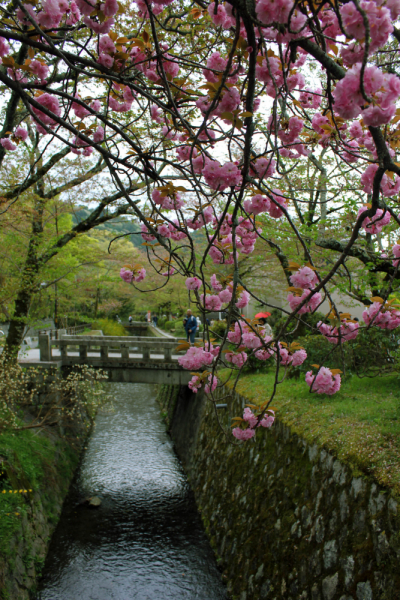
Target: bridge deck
130, 358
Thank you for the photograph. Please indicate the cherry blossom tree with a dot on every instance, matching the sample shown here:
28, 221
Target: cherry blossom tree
233, 97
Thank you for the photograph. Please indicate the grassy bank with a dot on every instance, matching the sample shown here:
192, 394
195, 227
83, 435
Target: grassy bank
360, 424
31, 464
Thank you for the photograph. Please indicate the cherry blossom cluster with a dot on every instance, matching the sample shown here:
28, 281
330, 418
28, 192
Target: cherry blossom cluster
324, 382
382, 315
132, 274
251, 423
348, 331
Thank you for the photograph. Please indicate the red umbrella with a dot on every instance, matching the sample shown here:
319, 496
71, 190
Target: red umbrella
262, 315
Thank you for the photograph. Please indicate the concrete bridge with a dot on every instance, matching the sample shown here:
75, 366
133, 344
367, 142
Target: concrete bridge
134, 359
137, 327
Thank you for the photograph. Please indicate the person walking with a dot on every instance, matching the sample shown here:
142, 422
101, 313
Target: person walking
155, 320
130, 320
190, 324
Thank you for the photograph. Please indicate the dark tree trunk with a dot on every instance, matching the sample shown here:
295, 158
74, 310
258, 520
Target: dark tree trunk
28, 286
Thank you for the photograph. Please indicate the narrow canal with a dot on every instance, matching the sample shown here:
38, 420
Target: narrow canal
146, 541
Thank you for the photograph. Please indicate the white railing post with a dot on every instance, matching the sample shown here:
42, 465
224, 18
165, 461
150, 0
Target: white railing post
44, 346
83, 351
145, 351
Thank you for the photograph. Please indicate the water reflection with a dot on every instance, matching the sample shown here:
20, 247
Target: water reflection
146, 541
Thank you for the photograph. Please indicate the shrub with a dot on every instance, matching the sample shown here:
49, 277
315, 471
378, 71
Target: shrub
373, 351
162, 321
295, 328
218, 329
109, 327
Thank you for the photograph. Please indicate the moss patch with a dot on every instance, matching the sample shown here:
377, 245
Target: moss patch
360, 424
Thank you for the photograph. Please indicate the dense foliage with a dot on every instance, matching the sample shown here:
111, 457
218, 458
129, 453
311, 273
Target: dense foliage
230, 132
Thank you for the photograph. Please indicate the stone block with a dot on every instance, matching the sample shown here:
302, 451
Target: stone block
364, 591
329, 586
348, 569
330, 554
315, 595
265, 590
357, 487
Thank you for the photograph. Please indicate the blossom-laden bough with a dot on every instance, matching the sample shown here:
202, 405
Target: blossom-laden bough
204, 109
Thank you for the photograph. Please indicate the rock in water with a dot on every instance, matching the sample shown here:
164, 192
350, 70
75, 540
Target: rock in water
95, 502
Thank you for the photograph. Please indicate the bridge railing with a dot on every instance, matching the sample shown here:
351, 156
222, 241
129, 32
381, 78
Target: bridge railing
56, 334
97, 349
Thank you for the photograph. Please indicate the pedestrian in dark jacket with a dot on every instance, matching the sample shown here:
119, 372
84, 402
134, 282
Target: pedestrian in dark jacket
190, 324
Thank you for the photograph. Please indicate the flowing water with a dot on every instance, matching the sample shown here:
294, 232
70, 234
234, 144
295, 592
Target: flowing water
146, 541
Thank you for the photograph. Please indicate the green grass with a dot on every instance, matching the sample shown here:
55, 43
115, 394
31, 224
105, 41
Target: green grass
109, 327
360, 424
28, 463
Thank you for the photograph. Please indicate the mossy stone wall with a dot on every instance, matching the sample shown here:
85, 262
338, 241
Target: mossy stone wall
287, 520
23, 552
23, 559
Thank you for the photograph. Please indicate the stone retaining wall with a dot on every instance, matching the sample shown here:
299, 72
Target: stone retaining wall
24, 560
287, 520
21, 563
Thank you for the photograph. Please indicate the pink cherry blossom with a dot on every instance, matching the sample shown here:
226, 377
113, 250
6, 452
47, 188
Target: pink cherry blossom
377, 222
126, 275
236, 358
251, 340
7, 144
258, 204
4, 47
74, 14
195, 358
148, 237
105, 60
139, 275
249, 417
383, 88
225, 295
270, 11
305, 278
324, 382
211, 385
98, 135
236, 335
85, 6
110, 8
382, 316
309, 306
396, 254
193, 283
264, 167
51, 104
39, 68
268, 420
263, 353
348, 331
299, 357
310, 98
215, 284
243, 299
21, 133
276, 206
195, 384
379, 20
211, 302
243, 434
